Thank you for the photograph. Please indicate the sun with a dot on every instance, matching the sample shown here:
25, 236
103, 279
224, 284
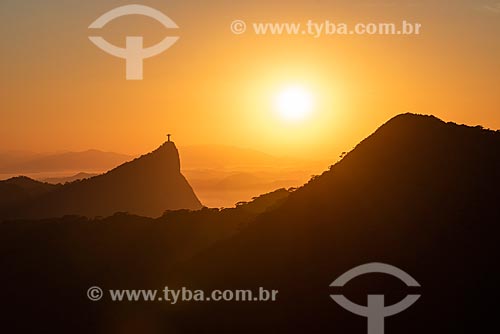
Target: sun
294, 103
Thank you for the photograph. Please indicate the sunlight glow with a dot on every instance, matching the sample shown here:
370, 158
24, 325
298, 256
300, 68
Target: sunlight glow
294, 103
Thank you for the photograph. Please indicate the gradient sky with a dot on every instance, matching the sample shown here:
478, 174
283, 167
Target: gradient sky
60, 92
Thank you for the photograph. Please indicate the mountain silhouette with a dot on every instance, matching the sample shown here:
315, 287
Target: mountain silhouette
419, 194
72, 178
148, 186
21, 189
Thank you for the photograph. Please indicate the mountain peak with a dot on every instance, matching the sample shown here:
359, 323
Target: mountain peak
165, 157
167, 147
414, 121
412, 117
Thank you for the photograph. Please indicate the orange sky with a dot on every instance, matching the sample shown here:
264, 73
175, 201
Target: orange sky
60, 92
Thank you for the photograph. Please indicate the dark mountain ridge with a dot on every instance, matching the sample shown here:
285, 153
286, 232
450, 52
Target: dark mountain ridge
148, 186
419, 193
21, 189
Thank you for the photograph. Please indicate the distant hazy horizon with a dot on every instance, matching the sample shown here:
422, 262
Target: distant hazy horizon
220, 175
